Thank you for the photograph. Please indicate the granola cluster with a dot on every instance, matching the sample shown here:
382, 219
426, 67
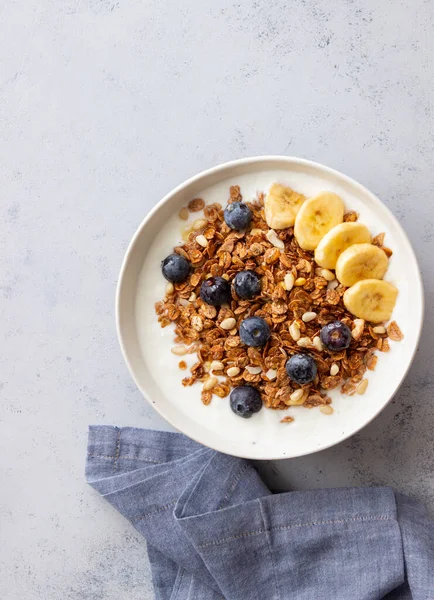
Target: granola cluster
297, 299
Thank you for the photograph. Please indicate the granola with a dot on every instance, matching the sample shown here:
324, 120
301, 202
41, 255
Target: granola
297, 298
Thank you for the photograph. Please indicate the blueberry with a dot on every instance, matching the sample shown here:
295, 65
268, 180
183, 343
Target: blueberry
301, 368
247, 284
336, 336
215, 291
237, 215
254, 331
245, 401
175, 268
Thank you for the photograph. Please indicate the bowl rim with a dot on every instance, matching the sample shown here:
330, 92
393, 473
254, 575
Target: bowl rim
222, 167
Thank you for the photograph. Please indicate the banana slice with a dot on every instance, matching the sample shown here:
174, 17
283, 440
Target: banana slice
361, 261
316, 217
371, 299
281, 206
339, 239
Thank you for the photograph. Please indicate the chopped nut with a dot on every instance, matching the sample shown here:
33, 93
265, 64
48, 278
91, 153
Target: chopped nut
216, 365
317, 344
209, 383
394, 332
196, 204
287, 419
199, 224
309, 316
361, 388
233, 371
357, 331
296, 397
288, 282
271, 374
228, 323
379, 329
183, 213
202, 241
253, 370
294, 331
326, 410
256, 231
334, 369
328, 275
271, 236
300, 281
332, 285
304, 342
192, 297
179, 350
170, 288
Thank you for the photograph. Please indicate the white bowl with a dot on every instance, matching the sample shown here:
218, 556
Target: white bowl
147, 348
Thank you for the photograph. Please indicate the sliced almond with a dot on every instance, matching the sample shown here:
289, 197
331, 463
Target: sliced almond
332, 285
326, 410
170, 288
272, 237
202, 241
357, 331
253, 370
379, 329
271, 374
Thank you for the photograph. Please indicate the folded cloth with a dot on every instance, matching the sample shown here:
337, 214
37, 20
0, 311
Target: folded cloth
214, 530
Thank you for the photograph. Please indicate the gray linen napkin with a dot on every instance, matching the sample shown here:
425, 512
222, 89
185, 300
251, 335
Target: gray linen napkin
215, 531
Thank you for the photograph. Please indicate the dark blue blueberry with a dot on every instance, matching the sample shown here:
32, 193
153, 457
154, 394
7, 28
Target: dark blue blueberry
301, 368
254, 331
245, 401
247, 284
336, 336
215, 291
237, 215
175, 268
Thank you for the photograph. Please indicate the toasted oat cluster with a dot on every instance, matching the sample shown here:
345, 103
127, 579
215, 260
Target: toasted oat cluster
296, 300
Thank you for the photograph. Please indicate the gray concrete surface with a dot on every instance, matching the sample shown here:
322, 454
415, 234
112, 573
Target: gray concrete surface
106, 105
